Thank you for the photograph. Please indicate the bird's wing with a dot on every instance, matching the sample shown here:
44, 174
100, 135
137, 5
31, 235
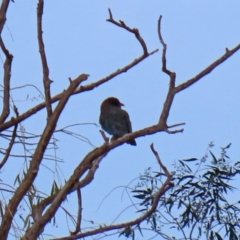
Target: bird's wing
127, 121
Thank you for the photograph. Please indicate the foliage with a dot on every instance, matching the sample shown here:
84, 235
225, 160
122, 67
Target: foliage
201, 203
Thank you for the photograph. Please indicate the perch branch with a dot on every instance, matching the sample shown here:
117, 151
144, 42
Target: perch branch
46, 80
160, 162
79, 171
85, 88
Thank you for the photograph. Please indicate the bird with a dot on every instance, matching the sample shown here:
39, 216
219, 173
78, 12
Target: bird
114, 120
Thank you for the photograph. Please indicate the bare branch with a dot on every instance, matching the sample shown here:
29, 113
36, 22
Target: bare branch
135, 31
208, 69
160, 162
164, 60
170, 96
174, 90
46, 80
85, 88
7, 77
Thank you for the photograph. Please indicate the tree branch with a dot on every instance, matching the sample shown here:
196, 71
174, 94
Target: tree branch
79, 215
6, 87
161, 191
170, 95
46, 80
3, 12
135, 31
164, 59
208, 69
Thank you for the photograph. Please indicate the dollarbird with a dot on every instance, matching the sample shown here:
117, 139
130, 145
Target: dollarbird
115, 120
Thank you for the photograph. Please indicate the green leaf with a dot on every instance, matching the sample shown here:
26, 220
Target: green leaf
190, 159
214, 158
139, 228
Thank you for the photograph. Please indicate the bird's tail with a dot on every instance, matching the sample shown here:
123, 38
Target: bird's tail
132, 142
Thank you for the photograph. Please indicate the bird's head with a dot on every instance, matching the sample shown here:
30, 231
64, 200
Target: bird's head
112, 101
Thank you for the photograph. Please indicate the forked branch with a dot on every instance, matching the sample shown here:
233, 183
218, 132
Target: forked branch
135, 31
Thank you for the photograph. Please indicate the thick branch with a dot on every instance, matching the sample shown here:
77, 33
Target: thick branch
32, 172
46, 80
6, 80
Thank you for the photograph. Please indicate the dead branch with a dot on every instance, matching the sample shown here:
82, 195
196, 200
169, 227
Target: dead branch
46, 79
208, 69
135, 31
172, 91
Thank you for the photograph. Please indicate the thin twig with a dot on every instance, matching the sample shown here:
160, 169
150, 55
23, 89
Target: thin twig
8, 150
160, 162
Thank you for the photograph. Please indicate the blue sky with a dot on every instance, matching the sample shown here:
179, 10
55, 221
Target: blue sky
79, 40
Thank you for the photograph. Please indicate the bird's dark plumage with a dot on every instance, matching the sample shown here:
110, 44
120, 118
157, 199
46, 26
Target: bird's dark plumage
115, 120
